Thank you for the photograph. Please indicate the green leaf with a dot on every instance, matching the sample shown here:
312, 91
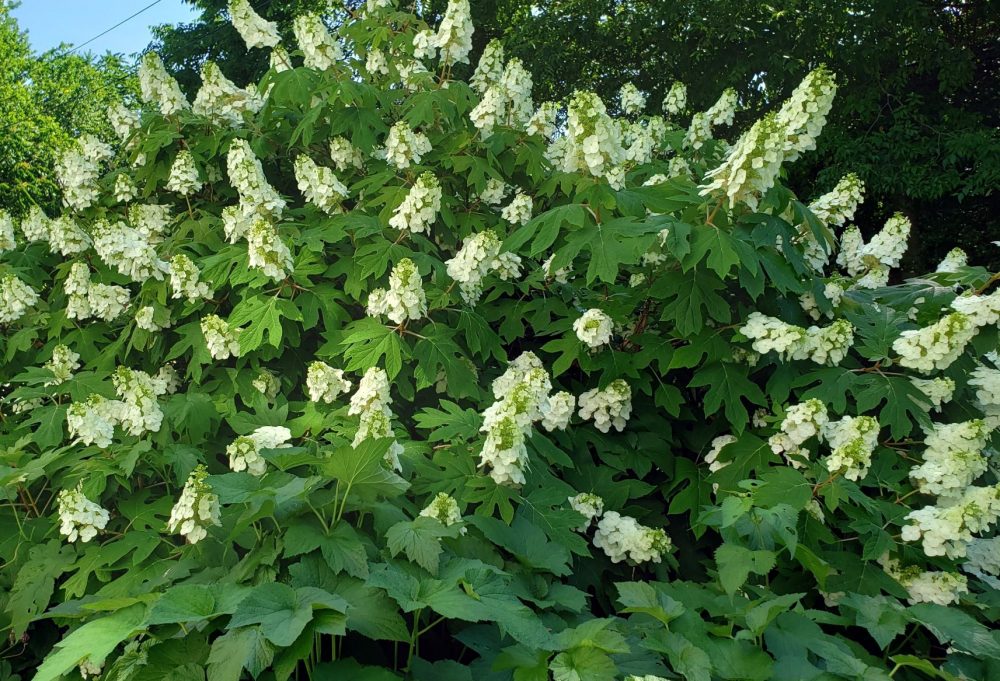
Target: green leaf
95, 639
783, 485
718, 245
728, 385
236, 650
362, 470
420, 539
367, 342
278, 610
962, 631
692, 296
35, 583
183, 603
882, 617
527, 542
736, 562
582, 664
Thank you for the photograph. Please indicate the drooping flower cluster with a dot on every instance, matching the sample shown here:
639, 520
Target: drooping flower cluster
804, 113
699, 131
938, 390
444, 509
320, 50
62, 364
139, 411
610, 407
244, 452
92, 421
319, 185
632, 100
79, 517
623, 538
558, 410
404, 146
221, 339
125, 189
752, 165
722, 112
247, 176
953, 261
592, 143
78, 170
454, 34
946, 528
267, 384
839, 204
405, 299
221, 100
128, 251
197, 508
87, 299
419, 209
158, 87
826, 345
590, 506
926, 586
345, 155
518, 211
254, 29
325, 383
594, 328
852, 440
675, 100
185, 279
953, 457
802, 421
371, 402
473, 262
543, 121
986, 381
936, 346
16, 298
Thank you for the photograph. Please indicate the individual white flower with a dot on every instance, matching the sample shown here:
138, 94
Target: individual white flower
221, 339
444, 509
594, 328
616, 177
35, 225
803, 114
722, 112
454, 34
947, 528
938, 390
253, 28
489, 70
802, 421
752, 165
518, 211
590, 506
93, 421
376, 63
221, 100
558, 410
320, 50
954, 261
405, 147
676, 99
419, 209
15, 298
405, 299
139, 411
197, 508
266, 251
345, 155
560, 276
247, 176
610, 407
324, 383
166, 381
953, 457
852, 441
62, 364
623, 538
79, 517
158, 87
424, 44
935, 347
319, 185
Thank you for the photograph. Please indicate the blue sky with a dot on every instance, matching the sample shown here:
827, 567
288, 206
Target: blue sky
51, 22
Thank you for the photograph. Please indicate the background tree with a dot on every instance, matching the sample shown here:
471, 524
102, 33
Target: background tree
46, 101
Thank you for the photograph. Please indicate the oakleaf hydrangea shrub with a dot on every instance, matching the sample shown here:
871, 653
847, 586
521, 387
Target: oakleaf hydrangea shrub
379, 369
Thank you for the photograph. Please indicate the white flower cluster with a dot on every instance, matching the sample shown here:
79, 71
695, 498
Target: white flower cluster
623, 538
852, 440
936, 346
267, 384
543, 121
79, 517
8, 242
518, 211
145, 319
371, 402
128, 251
86, 299
419, 209
558, 410
150, 219
826, 345
376, 63
947, 528
983, 560
987, 384
953, 457
90, 668
832, 291
804, 113
35, 225
247, 176
184, 178
92, 422
253, 28
404, 146
953, 261
489, 70
345, 155
724, 109
802, 421
62, 364
67, 237
266, 251
244, 451
839, 204
938, 390
79, 168
609, 408
444, 509
405, 299
712, 457
699, 131
139, 412
221, 100
590, 506
454, 35
925, 586
888, 246
158, 87
125, 189
221, 339
494, 192
675, 100
319, 49
477, 257
196, 509
184, 279
632, 100
325, 383
752, 165
594, 328
520, 393
124, 121
319, 185
15, 298
593, 141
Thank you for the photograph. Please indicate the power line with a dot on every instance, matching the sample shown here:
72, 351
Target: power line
106, 31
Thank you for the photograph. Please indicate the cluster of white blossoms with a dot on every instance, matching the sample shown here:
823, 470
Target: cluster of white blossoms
946, 528
158, 87
724, 109
92, 421
16, 298
473, 262
610, 407
221, 100
712, 457
404, 146
244, 452
139, 411
62, 364
823, 345
543, 121
124, 121
953, 457
804, 113
590, 506
839, 204
454, 34
852, 440
520, 394
128, 251
320, 50
371, 402
185, 279
592, 142
558, 410
345, 155
124, 189
675, 100
983, 560
623, 538
419, 209
489, 70
955, 260
632, 100
986, 381
266, 251
253, 28
936, 346
87, 299
494, 191
699, 131
802, 421
506, 95
594, 328
518, 211
376, 63
79, 517
267, 384
405, 299
247, 176
222, 340
444, 509
889, 244
146, 319
324, 383
926, 586
752, 166
90, 668
67, 237
832, 291
938, 390
35, 225
79, 168
196, 509
319, 185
